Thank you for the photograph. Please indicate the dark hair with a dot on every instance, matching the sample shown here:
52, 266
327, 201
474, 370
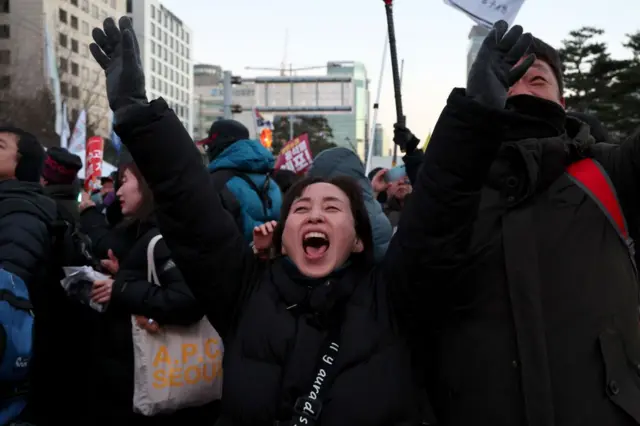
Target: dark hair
147, 207
353, 191
285, 179
30, 155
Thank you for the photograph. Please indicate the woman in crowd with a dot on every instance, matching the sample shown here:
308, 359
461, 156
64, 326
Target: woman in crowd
127, 294
319, 334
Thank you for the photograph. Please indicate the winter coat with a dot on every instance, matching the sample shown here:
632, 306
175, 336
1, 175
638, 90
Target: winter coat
169, 304
251, 158
537, 319
65, 195
344, 162
26, 223
105, 236
273, 321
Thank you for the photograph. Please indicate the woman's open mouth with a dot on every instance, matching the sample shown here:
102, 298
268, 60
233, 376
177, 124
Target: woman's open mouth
315, 244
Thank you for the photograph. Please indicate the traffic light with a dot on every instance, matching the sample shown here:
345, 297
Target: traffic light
236, 109
236, 79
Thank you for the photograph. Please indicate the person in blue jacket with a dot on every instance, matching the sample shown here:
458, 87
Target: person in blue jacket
241, 171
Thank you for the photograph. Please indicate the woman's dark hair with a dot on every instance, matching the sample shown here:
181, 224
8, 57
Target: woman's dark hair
285, 179
353, 192
147, 207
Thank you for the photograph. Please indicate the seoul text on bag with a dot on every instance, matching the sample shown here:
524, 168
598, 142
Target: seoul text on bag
177, 367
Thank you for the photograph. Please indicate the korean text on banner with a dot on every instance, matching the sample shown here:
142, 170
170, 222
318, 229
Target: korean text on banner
93, 163
295, 155
488, 12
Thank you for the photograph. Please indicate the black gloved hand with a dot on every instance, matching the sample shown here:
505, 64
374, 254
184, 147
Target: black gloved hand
406, 141
494, 71
118, 53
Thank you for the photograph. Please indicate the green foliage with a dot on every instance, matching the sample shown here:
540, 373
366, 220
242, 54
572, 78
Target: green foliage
317, 127
596, 83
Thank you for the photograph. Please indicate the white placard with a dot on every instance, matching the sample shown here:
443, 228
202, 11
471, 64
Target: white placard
487, 12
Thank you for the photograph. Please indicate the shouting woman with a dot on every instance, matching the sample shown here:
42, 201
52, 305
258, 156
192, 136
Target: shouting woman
319, 335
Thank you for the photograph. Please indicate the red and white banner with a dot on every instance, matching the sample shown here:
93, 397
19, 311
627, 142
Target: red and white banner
295, 155
93, 163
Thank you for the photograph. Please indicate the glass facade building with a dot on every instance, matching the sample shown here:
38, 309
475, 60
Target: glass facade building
351, 130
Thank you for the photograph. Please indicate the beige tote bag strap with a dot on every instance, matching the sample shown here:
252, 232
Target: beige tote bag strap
152, 274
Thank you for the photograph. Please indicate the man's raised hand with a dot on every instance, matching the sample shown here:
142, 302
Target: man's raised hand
500, 63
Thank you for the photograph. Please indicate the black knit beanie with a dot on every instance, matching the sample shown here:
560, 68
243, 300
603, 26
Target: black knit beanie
31, 155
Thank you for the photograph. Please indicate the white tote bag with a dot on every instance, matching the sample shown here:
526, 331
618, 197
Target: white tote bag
177, 367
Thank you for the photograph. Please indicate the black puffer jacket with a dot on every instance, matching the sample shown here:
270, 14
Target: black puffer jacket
66, 196
538, 323
273, 323
169, 304
26, 219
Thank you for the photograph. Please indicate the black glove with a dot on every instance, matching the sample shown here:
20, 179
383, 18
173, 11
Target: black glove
118, 53
494, 71
406, 141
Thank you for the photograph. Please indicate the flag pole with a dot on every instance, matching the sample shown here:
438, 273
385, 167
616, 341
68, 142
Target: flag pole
376, 107
400, 119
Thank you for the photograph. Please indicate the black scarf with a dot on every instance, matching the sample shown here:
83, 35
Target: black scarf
536, 148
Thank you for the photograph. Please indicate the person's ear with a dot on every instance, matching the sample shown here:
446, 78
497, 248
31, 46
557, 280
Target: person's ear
358, 246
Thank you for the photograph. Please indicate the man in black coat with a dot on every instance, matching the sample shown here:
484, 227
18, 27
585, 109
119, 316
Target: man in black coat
26, 215
535, 294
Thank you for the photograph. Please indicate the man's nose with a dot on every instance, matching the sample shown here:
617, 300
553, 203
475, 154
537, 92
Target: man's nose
520, 88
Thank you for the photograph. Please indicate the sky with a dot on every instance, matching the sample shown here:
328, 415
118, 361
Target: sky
432, 38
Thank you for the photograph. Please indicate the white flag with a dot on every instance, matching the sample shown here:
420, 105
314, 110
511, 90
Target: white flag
78, 141
65, 132
488, 12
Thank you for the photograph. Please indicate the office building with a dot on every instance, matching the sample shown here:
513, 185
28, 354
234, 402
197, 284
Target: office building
209, 100
378, 140
351, 130
476, 37
24, 26
166, 45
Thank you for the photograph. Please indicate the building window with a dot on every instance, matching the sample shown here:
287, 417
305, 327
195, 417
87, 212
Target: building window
64, 65
153, 12
75, 92
4, 6
5, 57
5, 31
74, 3
74, 46
95, 12
153, 47
75, 69
103, 15
62, 15
62, 39
85, 72
5, 82
85, 6
153, 65
85, 28
113, 4
153, 29
85, 50
153, 83
74, 22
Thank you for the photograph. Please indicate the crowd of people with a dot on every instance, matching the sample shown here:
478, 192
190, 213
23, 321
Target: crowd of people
492, 283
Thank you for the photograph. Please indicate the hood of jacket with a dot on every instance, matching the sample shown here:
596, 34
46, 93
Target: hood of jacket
344, 162
247, 155
63, 192
32, 192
